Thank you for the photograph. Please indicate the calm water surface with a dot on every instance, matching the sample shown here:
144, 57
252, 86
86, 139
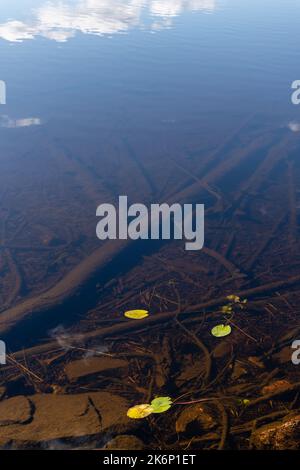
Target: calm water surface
146, 63
102, 93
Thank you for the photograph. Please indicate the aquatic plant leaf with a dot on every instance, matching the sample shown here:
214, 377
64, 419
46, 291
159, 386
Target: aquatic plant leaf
236, 299
136, 314
140, 411
233, 298
243, 401
221, 330
161, 404
226, 309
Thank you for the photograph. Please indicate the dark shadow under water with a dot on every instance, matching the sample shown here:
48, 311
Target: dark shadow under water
32, 331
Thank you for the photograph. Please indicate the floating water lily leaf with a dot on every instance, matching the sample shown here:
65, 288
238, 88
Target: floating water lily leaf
140, 411
136, 314
244, 401
161, 404
221, 330
158, 405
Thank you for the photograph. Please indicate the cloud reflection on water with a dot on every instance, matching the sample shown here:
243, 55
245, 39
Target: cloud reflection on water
9, 123
61, 20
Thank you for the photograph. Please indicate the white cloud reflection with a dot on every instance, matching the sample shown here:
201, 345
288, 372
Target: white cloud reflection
61, 20
294, 126
9, 123
169, 8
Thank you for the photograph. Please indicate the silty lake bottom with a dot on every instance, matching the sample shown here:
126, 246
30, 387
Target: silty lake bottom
163, 101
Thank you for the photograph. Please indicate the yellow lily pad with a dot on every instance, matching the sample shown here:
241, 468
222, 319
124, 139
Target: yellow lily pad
221, 330
136, 314
140, 411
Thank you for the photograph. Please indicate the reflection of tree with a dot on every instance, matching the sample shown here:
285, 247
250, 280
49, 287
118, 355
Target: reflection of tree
59, 21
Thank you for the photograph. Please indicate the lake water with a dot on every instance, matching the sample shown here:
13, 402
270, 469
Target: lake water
149, 64
161, 101
108, 97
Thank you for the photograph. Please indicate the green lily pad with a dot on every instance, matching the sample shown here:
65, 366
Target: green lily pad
221, 330
161, 404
